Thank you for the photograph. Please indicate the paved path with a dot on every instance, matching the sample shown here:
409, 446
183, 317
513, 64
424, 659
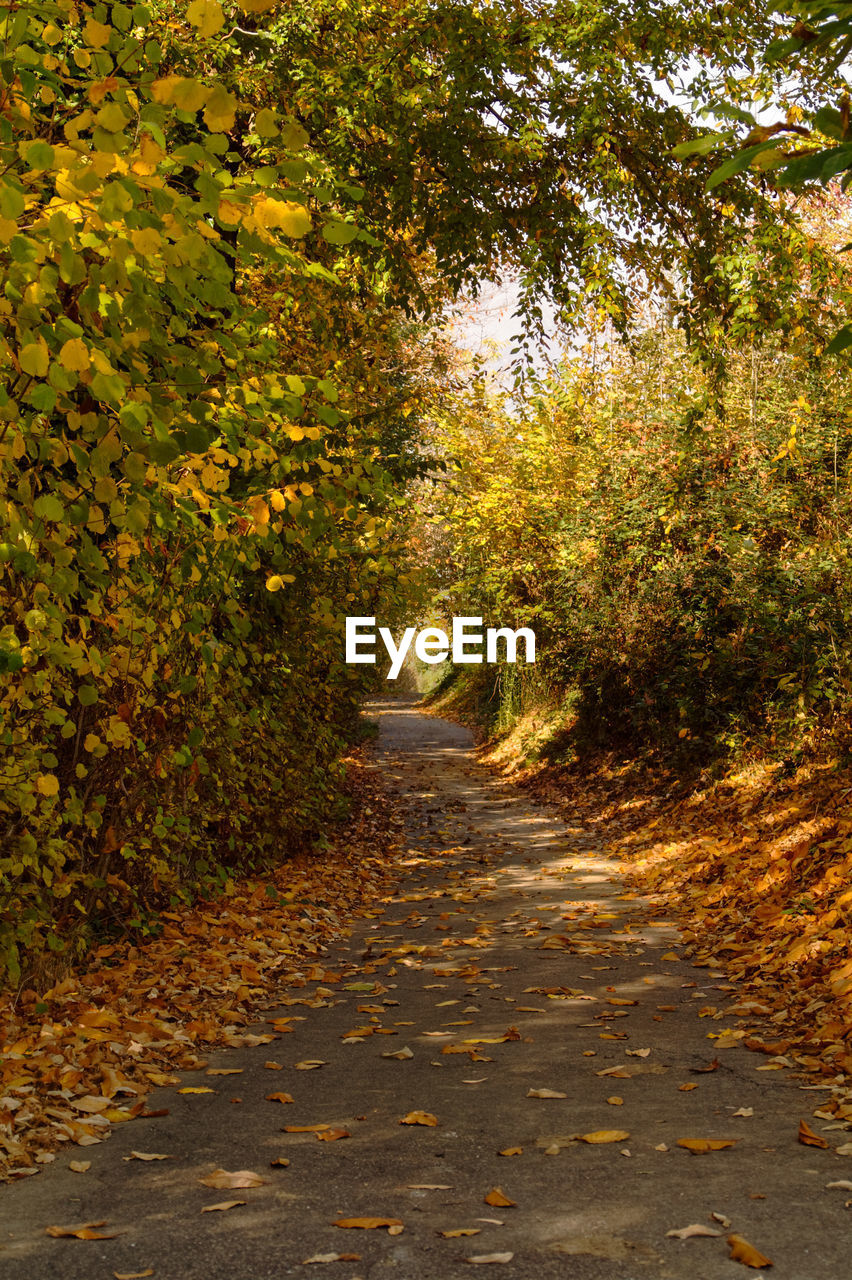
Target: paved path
508, 923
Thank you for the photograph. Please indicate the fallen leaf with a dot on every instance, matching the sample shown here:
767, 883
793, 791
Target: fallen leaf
745, 1112
615, 1101
711, 1066
637, 1053
808, 1138
511, 1151
223, 1071
310, 1064
332, 1135
368, 1224
305, 1128
281, 1163
221, 1179
604, 1135
400, 1055
196, 1089
699, 1145
545, 1093
429, 1186
695, 1229
133, 1275
79, 1166
480, 1258
88, 1231
332, 1257
498, 1199
460, 1231
686, 1088
279, 1097
843, 1184
145, 1155
742, 1251
618, 1000
420, 1117
845, 1150
222, 1206
721, 1219
273, 1066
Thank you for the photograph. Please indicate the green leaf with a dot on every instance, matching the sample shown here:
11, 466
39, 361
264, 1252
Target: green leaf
87, 695
340, 232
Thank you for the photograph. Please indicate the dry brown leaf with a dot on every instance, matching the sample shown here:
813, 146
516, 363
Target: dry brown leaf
224, 1071
79, 1166
498, 1199
429, 1186
604, 1135
305, 1128
332, 1135
400, 1055
511, 1151
742, 1251
368, 1224
686, 1088
637, 1053
279, 1097
281, 1163
480, 1259
222, 1206
133, 1275
696, 1229
145, 1155
711, 1066
310, 1064
273, 1066
222, 1180
698, 1146
420, 1117
87, 1231
460, 1231
843, 1184
808, 1138
545, 1093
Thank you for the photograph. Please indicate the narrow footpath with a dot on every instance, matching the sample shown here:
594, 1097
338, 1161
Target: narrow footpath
500, 1067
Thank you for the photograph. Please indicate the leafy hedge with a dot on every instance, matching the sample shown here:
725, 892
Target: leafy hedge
188, 504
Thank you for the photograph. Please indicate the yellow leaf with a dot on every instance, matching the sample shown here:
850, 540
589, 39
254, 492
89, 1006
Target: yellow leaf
460, 1231
291, 218
420, 1117
221, 110
808, 1138
332, 1135
278, 1097
207, 16
47, 784
222, 1205
146, 240
511, 1151
196, 1089
265, 123
35, 359
74, 355
96, 34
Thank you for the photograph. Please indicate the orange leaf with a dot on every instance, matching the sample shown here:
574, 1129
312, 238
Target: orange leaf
498, 1199
808, 1138
278, 1097
332, 1135
85, 1232
368, 1223
420, 1117
699, 1145
604, 1135
742, 1251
